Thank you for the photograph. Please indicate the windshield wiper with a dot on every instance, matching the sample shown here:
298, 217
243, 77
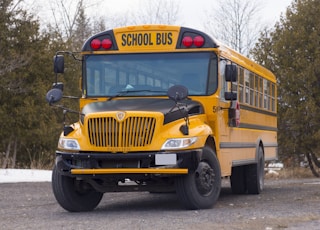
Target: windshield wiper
125, 92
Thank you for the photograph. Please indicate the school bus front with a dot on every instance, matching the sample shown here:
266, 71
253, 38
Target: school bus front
150, 114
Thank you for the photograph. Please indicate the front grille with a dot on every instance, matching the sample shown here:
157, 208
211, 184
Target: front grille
131, 132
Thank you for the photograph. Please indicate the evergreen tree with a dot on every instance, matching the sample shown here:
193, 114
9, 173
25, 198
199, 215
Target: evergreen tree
292, 52
25, 135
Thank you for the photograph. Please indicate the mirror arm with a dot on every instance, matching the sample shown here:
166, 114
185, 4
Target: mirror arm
70, 53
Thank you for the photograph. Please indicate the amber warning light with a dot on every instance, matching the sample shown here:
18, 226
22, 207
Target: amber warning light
197, 41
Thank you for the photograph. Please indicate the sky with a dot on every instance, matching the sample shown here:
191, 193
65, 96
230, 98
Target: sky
269, 14
193, 13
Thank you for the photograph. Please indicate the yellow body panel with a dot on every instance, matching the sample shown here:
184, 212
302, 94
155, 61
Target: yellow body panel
197, 128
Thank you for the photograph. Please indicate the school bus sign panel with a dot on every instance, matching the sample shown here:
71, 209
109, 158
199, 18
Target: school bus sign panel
146, 40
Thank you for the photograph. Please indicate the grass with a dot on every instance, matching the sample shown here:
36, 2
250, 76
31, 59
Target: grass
287, 173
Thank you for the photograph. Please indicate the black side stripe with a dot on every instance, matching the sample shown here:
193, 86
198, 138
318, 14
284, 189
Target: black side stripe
261, 127
242, 145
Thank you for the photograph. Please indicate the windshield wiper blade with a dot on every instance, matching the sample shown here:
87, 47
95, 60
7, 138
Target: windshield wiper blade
125, 92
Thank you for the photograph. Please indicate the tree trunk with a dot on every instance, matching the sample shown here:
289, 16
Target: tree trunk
6, 159
14, 157
311, 165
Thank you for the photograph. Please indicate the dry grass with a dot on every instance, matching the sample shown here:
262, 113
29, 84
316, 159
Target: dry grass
286, 173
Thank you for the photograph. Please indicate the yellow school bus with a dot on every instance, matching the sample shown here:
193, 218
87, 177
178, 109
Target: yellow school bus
164, 109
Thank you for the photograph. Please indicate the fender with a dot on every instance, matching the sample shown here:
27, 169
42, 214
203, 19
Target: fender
258, 144
201, 130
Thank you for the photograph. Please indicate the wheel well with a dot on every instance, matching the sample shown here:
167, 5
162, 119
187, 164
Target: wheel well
211, 143
260, 144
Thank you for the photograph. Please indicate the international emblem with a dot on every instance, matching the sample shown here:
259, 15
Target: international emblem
120, 115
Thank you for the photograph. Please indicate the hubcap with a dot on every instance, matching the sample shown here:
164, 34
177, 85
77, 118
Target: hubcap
204, 177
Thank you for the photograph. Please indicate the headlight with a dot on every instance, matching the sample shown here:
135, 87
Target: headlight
70, 144
178, 143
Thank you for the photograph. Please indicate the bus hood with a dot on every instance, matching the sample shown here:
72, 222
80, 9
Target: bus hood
165, 106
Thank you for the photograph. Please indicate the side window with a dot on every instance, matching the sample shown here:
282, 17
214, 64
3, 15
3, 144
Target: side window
223, 83
234, 85
266, 87
213, 76
247, 86
241, 84
260, 92
256, 91
273, 97
251, 86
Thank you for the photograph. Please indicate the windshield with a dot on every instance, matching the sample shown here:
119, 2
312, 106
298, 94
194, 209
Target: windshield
149, 74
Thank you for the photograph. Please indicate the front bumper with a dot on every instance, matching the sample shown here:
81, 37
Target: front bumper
104, 164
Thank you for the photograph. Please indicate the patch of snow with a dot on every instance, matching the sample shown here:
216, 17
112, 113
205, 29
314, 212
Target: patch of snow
273, 172
24, 175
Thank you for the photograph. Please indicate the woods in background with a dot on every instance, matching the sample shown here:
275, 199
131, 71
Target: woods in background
30, 129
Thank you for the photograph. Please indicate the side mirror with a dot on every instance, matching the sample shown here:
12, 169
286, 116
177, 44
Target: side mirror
58, 64
54, 95
230, 96
231, 73
58, 85
177, 93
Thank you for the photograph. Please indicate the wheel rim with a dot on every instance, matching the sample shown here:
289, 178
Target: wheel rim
204, 177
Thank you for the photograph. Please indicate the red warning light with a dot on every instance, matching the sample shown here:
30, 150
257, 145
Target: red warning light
95, 44
187, 41
198, 41
106, 43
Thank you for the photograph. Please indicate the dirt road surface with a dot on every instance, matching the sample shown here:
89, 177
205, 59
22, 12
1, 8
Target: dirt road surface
284, 204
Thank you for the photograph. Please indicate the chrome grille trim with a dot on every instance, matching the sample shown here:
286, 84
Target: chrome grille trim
131, 132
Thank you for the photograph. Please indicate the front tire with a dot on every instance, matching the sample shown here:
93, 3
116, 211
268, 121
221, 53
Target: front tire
201, 189
74, 195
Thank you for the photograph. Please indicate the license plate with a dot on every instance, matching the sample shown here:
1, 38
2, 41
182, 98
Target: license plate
166, 159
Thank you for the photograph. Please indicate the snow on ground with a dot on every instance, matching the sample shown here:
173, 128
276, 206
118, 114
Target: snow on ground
24, 175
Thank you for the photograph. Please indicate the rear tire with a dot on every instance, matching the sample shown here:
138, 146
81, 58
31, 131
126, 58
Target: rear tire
255, 174
201, 189
238, 180
74, 195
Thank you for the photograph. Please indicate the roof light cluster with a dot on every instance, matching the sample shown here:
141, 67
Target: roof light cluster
197, 41
97, 44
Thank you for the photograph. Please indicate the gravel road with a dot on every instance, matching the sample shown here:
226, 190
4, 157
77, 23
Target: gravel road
284, 204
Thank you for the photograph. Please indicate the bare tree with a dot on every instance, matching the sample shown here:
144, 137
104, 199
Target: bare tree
157, 12
69, 16
235, 23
